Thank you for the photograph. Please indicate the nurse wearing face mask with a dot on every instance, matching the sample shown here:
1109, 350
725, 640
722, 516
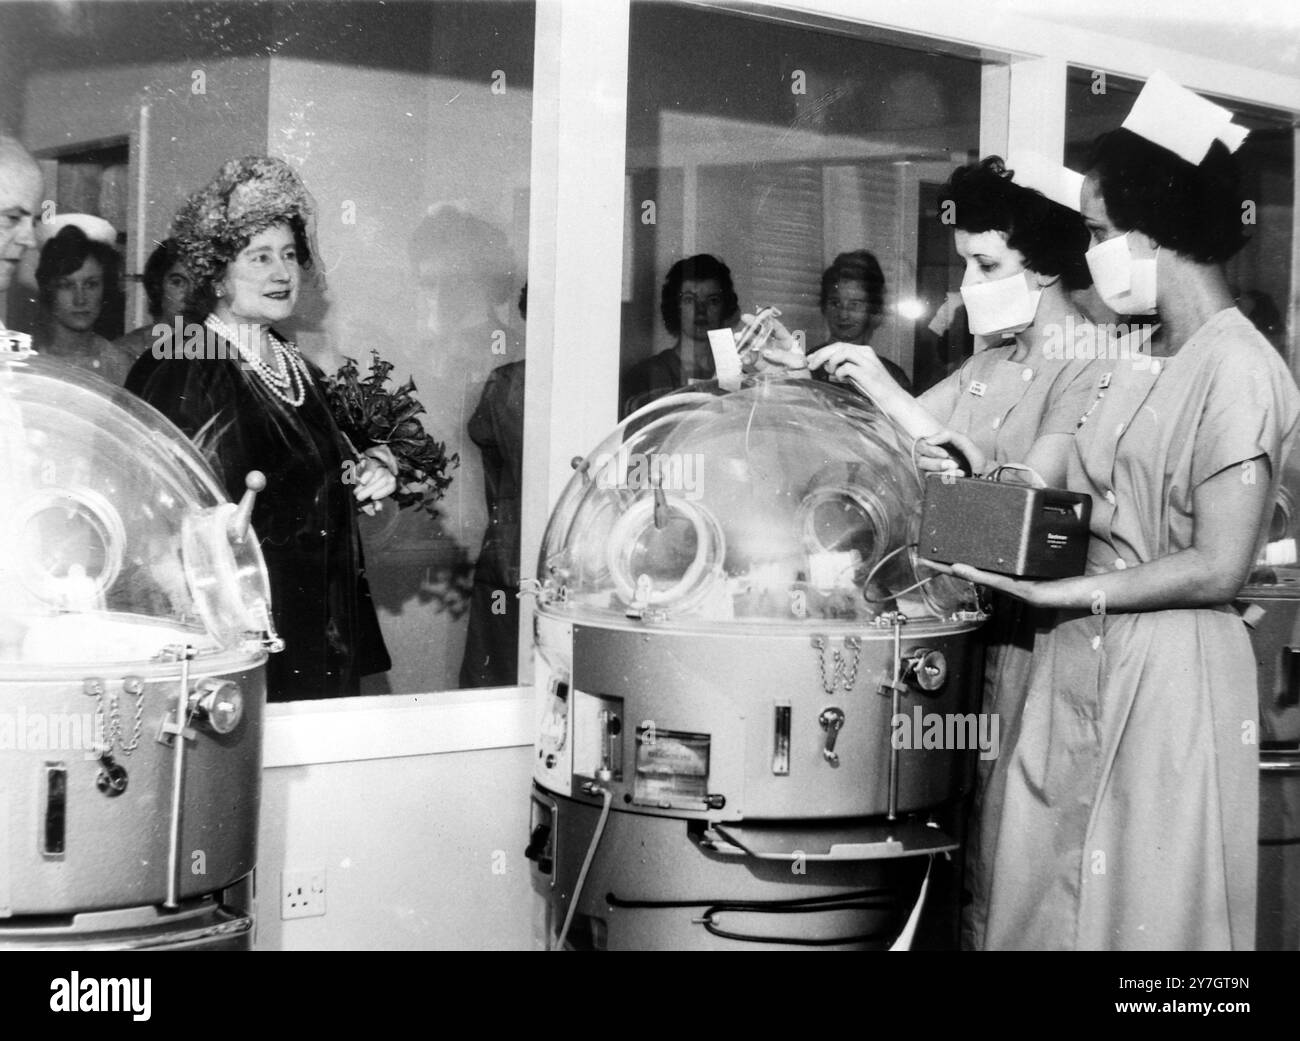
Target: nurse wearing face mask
1129, 807
1017, 402
1023, 254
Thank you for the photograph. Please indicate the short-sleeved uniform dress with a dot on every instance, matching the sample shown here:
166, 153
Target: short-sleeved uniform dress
1004, 406
1128, 815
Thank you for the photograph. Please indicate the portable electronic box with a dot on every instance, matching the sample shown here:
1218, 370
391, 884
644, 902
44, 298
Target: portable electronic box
1011, 529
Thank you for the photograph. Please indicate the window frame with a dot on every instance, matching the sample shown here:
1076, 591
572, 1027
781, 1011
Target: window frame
578, 180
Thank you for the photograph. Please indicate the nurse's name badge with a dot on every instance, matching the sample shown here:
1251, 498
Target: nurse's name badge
977, 388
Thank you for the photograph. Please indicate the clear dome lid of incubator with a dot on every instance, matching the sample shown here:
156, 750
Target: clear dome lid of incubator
787, 501
118, 541
1277, 567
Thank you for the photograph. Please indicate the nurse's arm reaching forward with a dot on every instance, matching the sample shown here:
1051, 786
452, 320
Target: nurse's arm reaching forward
1228, 509
859, 366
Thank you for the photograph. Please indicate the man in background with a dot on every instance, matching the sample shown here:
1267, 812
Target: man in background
20, 198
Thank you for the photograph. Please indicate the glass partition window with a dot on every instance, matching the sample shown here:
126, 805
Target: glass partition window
776, 147
410, 123
1259, 275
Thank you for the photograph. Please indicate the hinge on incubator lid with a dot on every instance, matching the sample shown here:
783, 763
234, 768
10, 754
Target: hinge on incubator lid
265, 635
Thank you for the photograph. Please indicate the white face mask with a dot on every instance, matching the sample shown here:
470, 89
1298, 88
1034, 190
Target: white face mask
1126, 283
1006, 305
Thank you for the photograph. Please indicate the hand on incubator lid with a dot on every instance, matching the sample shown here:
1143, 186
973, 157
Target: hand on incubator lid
766, 344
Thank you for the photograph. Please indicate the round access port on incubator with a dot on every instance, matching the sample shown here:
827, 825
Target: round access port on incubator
68, 546
844, 528
667, 559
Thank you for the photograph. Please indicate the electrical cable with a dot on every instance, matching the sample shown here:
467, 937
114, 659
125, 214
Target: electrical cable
894, 595
794, 902
607, 796
881, 562
872, 899
795, 941
906, 590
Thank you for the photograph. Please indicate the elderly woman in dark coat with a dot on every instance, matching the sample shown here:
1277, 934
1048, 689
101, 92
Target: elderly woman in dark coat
253, 402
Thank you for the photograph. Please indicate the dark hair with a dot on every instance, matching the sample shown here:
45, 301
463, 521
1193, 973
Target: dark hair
1053, 239
161, 260
697, 268
1193, 210
64, 254
205, 296
857, 266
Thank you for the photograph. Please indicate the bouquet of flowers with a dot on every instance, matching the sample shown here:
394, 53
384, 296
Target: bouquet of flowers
369, 413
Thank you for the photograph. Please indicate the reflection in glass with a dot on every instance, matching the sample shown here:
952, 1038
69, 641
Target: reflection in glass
776, 148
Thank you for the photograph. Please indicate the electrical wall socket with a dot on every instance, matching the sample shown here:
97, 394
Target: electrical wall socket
302, 893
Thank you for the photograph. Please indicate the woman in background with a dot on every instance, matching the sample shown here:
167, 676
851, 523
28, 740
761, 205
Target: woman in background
697, 295
853, 304
169, 290
76, 274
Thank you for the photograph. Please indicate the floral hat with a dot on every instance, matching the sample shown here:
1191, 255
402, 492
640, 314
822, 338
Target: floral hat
246, 197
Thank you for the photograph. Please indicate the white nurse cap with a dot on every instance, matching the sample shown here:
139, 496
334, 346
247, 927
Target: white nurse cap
96, 228
1168, 114
1059, 183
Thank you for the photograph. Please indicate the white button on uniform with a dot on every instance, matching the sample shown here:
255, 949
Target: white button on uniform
1110, 498
997, 422
1096, 642
1155, 368
1119, 429
1120, 565
1027, 375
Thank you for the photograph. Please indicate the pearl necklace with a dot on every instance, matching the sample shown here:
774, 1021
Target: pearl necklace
289, 384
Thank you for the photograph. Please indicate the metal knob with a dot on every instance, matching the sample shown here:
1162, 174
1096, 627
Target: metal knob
217, 704
831, 720
928, 669
112, 778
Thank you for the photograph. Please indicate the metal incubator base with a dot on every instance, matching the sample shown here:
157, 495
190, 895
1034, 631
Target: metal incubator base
663, 883
220, 922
